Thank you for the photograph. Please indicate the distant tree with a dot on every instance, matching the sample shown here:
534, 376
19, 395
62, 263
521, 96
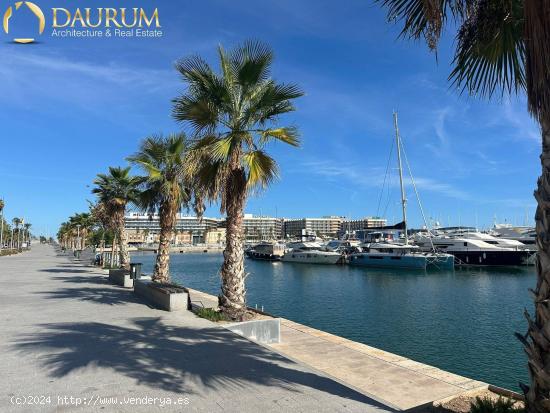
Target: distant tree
115, 191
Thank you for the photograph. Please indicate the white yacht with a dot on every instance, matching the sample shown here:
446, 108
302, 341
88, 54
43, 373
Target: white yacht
490, 239
310, 253
471, 251
384, 254
342, 246
526, 235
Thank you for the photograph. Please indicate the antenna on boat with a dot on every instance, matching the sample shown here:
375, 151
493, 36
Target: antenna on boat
403, 198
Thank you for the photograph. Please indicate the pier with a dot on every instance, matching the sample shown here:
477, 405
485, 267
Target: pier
67, 332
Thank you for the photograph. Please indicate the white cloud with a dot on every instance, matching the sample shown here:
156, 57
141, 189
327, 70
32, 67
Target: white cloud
374, 177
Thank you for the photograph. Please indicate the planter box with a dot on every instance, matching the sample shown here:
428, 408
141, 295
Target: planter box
121, 277
261, 331
165, 297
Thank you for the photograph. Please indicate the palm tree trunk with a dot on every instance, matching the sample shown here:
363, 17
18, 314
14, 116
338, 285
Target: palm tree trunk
537, 340
122, 240
113, 250
168, 212
232, 299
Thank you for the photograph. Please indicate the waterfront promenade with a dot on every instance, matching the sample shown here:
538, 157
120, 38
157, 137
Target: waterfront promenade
68, 333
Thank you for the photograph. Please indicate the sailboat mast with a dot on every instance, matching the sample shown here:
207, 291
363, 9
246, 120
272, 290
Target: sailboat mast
403, 198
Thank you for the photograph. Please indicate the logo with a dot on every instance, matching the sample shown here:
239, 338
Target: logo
36, 11
101, 22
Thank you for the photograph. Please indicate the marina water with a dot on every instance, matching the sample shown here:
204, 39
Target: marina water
461, 321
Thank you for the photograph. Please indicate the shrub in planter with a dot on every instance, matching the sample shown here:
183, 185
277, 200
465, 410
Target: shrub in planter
501, 405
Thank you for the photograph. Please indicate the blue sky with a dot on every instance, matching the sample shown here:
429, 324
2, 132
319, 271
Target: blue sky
72, 107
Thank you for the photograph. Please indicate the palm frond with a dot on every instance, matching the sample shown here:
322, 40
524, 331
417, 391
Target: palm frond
262, 169
423, 18
490, 53
233, 115
288, 135
537, 38
251, 63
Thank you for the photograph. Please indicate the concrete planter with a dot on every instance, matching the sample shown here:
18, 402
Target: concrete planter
165, 297
121, 277
261, 331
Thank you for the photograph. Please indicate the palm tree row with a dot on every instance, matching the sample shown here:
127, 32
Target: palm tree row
503, 46
73, 233
231, 116
13, 236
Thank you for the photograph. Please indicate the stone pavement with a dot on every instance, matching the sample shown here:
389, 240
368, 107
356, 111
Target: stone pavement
391, 379
67, 333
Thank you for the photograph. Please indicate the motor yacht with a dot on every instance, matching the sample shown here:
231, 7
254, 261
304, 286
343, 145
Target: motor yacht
310, 253
392, 255
471, 251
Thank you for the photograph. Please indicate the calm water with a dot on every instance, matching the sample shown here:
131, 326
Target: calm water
462, 321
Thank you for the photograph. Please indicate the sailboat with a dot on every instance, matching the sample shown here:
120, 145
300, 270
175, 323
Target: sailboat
396, 255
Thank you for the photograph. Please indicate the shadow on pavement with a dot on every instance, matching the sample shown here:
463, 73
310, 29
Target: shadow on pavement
171, 358
100, 295
64, 270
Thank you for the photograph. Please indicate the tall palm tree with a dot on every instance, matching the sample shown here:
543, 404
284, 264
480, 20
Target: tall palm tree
16, 222
2, 205
234, 114
27, 233
165, 189
62, 234
100, 215
116, 190
503, 45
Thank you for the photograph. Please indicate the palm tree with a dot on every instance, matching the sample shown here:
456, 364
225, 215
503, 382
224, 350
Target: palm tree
15, 242
2, 205
27, 233
234, 115
100, 215
503, 45
165, 189
116, 190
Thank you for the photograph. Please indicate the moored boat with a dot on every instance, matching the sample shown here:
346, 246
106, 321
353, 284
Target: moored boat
266, 251
311, 253
468, 251
388, 255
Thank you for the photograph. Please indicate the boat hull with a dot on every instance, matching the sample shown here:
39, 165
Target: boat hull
262, 256
387, 261
441, 261
492, 258
309, 258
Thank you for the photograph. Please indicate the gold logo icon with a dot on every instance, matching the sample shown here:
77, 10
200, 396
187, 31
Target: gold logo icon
37, 12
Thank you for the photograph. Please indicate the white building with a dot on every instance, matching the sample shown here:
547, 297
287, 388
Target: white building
144, 228
325, 227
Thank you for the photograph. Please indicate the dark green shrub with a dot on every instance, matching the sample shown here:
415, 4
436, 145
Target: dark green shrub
500, 405
210, 314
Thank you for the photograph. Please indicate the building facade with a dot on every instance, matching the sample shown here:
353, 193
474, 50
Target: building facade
325, 227
261, 228
145, 229
367, 222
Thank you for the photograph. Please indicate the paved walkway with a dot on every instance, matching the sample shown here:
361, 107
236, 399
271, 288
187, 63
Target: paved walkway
391, 379
67, 333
